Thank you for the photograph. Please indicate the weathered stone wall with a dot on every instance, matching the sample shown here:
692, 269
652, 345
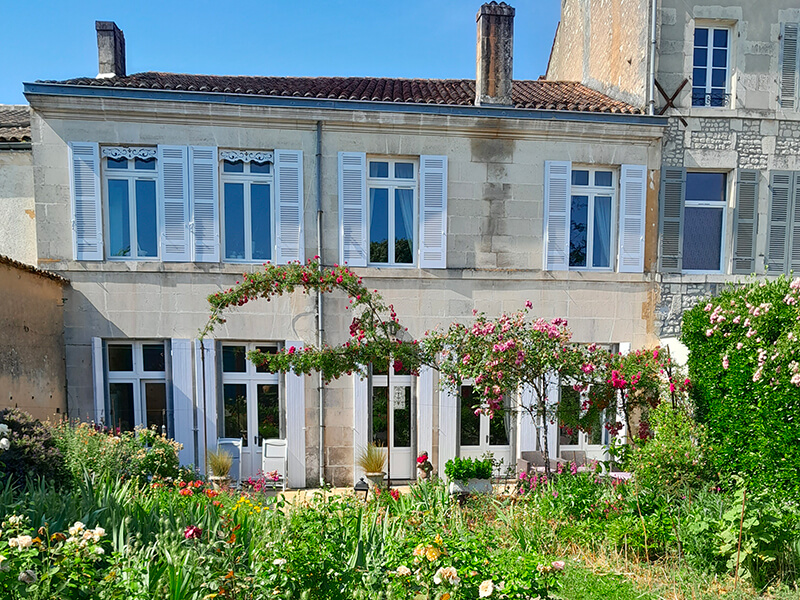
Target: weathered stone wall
17, 210
32, 375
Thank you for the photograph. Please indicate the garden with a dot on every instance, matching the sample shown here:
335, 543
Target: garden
711, 508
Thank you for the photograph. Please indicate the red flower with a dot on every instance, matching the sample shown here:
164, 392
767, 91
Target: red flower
186, 492
395, 494
192, 532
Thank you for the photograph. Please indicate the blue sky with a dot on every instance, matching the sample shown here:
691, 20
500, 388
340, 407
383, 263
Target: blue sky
416, 38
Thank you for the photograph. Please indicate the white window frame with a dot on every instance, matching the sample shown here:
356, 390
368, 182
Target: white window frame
593, 191
711, 27
251, 378
404, 381
131, 175
247, 179
137, 376
713, 204
392, 183
583, 437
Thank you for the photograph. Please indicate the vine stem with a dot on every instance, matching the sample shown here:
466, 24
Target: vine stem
739, 546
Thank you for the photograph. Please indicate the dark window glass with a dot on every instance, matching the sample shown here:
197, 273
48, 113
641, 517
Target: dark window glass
235, 411
146, 218
720, 58
378, 169
470, 431
233, 166
579, 222
117, 163
144, 164
234, 359
705, 187
378, 225
121, 401
261, 222
234, 221
702, 235
720, 38
700, 36
404, 226
718, 78
119, 218
580, 177
153, 357
604, 178
155, 399
269, 424
570, 404
260, 167
379, 436
120, 357
404, 170
401, 417
499, 428
699, 77
700, 57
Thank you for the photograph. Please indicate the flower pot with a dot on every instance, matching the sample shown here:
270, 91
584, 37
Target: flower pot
219, 482
375, 479
471, 486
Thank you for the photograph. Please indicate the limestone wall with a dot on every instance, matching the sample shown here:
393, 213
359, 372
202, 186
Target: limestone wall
17, 210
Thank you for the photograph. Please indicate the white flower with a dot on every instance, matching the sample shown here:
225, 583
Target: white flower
27, 576
4, 430
448, 574
99, 550
486, 588
97, 533
77, 528
5, 444
22, 542
15, 519
279, 561
403, 570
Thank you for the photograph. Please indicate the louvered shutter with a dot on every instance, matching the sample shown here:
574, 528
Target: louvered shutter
780, 194
745, 222
353, 208
87, 220
360, 422
98, 382
203, 187
633, 197
173, 183
183, 398
296, 424
673, 191
794, 240
557, 175
433, 212
790, 66
289, 201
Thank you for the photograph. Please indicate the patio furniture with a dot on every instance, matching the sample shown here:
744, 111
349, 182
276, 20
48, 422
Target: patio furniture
233, 446
534, 461
275, 457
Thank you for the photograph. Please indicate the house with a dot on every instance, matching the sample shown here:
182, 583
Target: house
154, 190
726, 76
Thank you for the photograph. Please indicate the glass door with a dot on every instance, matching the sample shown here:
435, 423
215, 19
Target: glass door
570, 438
401, 430
478, 434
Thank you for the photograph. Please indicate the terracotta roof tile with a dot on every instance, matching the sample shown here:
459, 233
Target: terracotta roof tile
532, 94
15, 123
5, 260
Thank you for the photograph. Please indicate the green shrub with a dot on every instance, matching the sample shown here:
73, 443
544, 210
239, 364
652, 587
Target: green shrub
461, 469
32, 451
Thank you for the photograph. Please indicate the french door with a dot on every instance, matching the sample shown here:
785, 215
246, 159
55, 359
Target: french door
401, 429
592, 441
137, 388
478, 434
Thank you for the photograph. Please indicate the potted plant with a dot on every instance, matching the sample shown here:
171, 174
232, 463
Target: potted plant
469, 476
372, 461
424, 466
220, 463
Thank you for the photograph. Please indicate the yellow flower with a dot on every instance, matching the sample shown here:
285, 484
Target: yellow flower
419, 550
432, 553
438, 539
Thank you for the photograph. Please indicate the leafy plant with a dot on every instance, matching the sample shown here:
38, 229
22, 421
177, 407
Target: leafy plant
31, 452
372, 459
461, 469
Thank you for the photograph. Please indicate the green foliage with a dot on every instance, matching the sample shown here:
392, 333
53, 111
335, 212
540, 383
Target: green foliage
32, 451
372, 459
744, 362
461, 469
220, 462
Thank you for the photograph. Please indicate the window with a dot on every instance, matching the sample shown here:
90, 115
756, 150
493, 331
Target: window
250, 409
247, 207
570, 437
711, 67
129, 180
704, 221
592, 209
402, 418
392, 186
137, 389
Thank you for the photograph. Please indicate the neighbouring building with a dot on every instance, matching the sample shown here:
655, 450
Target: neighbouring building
726, 74
17, 211
154, 190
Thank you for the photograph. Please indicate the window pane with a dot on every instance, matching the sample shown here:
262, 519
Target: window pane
269, 416
701, 36
117, 163
698, 96
718, 78
146, 218
144, 164
261, 222
470, 433
234, 220
379, 436
604, 178
378, 225
401, 417
601, 244
720, 38
120, 357
378, 169
700, 57
232, 167
153, 357
119, 224
260, 167
499, 426
121, 400
579, 222
234, 359
570, 404
265, 350
580, 177
404, 226
720, 58
705, 186
702, 235
595, 435
234, 407
404, 170
699, 78
717, 97
155, 402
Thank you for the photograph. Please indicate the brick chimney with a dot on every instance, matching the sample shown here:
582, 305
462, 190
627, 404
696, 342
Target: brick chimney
110, 50
494, 64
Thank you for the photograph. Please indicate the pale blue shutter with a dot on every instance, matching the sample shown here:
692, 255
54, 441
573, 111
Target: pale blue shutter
183, 398
205, 363
98, 382
745, 222
433, 212
353, 208
204, 190
448, 424
87, 221
632, 199
780, 202
173, 192
289, 201
673, 183
557, 176
296, 424
790, 66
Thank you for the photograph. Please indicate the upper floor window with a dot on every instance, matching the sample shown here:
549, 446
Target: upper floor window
392, 186
711, 67
591, 218
131, 207
704, 221
247, 213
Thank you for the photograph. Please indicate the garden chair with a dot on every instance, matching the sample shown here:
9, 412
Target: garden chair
533, 460
233, 446
275, 457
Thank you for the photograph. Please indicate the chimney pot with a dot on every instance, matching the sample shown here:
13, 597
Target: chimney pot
110, 50
495, 54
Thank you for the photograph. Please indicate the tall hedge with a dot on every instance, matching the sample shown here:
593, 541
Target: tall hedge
744, 364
